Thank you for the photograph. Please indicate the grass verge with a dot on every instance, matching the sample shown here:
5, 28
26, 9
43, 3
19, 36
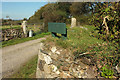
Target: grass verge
28, 70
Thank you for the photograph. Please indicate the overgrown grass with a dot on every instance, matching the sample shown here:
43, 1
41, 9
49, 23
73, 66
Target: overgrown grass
78, 38
28, 70
81, 41
20, 40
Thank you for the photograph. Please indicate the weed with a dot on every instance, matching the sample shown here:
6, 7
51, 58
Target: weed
107, 73
62, 43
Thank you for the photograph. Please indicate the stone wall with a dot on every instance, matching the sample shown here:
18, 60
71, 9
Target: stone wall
54, 62
8, 34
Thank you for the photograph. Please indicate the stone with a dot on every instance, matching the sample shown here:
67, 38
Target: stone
54, 68
91, 73
65, 75
57, 52
41, 57
5, 37
61, 50
53, 49
39, 73
30, 33
57, 72
50, 53
54, 56
73, 22
70, 70
84, 76
80, 68
83, 28
64, 68
82, 65
47, 59
41, 64
86, 61
117, 68
52, 75
75, 74
47, 68
24, 26
69, 60
48, 76
79, 76
42, 46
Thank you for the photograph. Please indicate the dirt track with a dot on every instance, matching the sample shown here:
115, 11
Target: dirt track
13, 57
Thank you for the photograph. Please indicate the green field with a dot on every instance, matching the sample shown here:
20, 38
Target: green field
35, 28
8, 27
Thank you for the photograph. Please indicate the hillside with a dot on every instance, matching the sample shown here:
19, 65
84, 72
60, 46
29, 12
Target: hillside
82, 49
61, 12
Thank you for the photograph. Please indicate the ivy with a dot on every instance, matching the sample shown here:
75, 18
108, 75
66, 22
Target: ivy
112, 10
